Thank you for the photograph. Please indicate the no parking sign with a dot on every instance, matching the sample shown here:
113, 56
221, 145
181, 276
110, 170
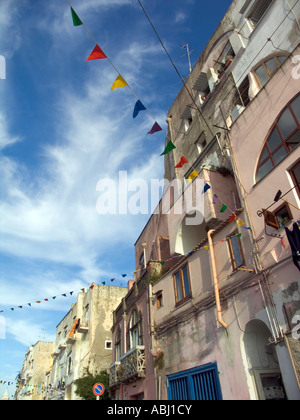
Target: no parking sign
98, 389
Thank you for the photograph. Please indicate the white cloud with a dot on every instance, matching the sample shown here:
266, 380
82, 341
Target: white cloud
5, 138
54, 217
180, 17
28, 332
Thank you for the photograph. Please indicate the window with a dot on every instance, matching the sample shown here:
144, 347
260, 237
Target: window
224, 60
201, 142
279, 217
283, 215
284, 138
295, 174
200, 384
108, 345
257, 11
135, 330
159, 300
141, 260
182, 285
118, 344
266, 69
235, 249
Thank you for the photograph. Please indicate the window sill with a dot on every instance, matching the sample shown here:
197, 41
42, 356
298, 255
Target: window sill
183, 302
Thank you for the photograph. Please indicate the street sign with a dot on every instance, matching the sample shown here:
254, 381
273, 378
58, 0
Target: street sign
98, 389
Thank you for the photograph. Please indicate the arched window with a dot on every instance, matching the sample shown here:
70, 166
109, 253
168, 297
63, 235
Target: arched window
118, 344
135, 329
284, 138
265, 70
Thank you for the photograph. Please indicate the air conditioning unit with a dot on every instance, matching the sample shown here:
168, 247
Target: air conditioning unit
236, 112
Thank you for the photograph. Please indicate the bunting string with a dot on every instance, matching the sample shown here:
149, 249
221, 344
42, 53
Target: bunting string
84, 289
120, 82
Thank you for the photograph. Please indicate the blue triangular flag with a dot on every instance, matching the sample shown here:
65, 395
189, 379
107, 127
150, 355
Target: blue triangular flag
138, 107
123, 275
206, 187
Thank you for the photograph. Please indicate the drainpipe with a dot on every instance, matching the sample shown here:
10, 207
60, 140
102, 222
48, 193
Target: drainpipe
215, 278
150, 300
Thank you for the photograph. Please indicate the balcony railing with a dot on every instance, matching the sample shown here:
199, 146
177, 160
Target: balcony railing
131, 365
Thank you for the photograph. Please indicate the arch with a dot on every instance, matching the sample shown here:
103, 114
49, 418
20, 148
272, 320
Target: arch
188, 234
283, 138
266, 67
134, 329
262, 363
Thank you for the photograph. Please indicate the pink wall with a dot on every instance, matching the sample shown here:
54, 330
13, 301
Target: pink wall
248, 136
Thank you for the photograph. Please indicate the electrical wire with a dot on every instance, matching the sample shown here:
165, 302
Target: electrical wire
112, 64
175, 67
269, 39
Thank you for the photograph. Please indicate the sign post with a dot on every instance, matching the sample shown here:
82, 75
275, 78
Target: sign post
98, 390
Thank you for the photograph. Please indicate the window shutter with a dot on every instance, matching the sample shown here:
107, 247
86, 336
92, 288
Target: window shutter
259, 8
271, 219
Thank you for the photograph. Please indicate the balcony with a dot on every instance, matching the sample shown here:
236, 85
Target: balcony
83, 328
132, 365
71, 340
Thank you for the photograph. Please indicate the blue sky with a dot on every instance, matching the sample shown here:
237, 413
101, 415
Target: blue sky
62, 130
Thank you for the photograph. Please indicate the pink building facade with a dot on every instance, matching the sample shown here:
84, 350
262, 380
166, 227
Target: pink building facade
219, 298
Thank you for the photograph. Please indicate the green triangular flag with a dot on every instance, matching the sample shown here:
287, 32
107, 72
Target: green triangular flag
103, 283
224, 207
170, 146
76, 20
238, 235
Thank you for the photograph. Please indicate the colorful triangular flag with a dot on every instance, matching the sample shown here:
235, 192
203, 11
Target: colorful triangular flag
193, 175
156, 127
215, 199
76, 20
170, 146
182, 162
224, 208
118, 83
96, 54
232, 218
137, 108
206, 187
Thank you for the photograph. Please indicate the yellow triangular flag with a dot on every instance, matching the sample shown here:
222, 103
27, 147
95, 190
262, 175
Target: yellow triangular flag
118, 83
240, 222
206, 247
82, 290
193, 175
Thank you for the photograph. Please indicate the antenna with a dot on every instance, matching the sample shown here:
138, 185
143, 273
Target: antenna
188, 53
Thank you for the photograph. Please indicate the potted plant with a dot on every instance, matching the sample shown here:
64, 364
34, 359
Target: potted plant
228, 60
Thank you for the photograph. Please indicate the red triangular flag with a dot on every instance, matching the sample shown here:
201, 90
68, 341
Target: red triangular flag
232, 218
182, 162
96, 54
156, 127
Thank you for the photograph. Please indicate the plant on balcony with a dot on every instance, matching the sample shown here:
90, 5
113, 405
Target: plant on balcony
158, 355
84, 385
